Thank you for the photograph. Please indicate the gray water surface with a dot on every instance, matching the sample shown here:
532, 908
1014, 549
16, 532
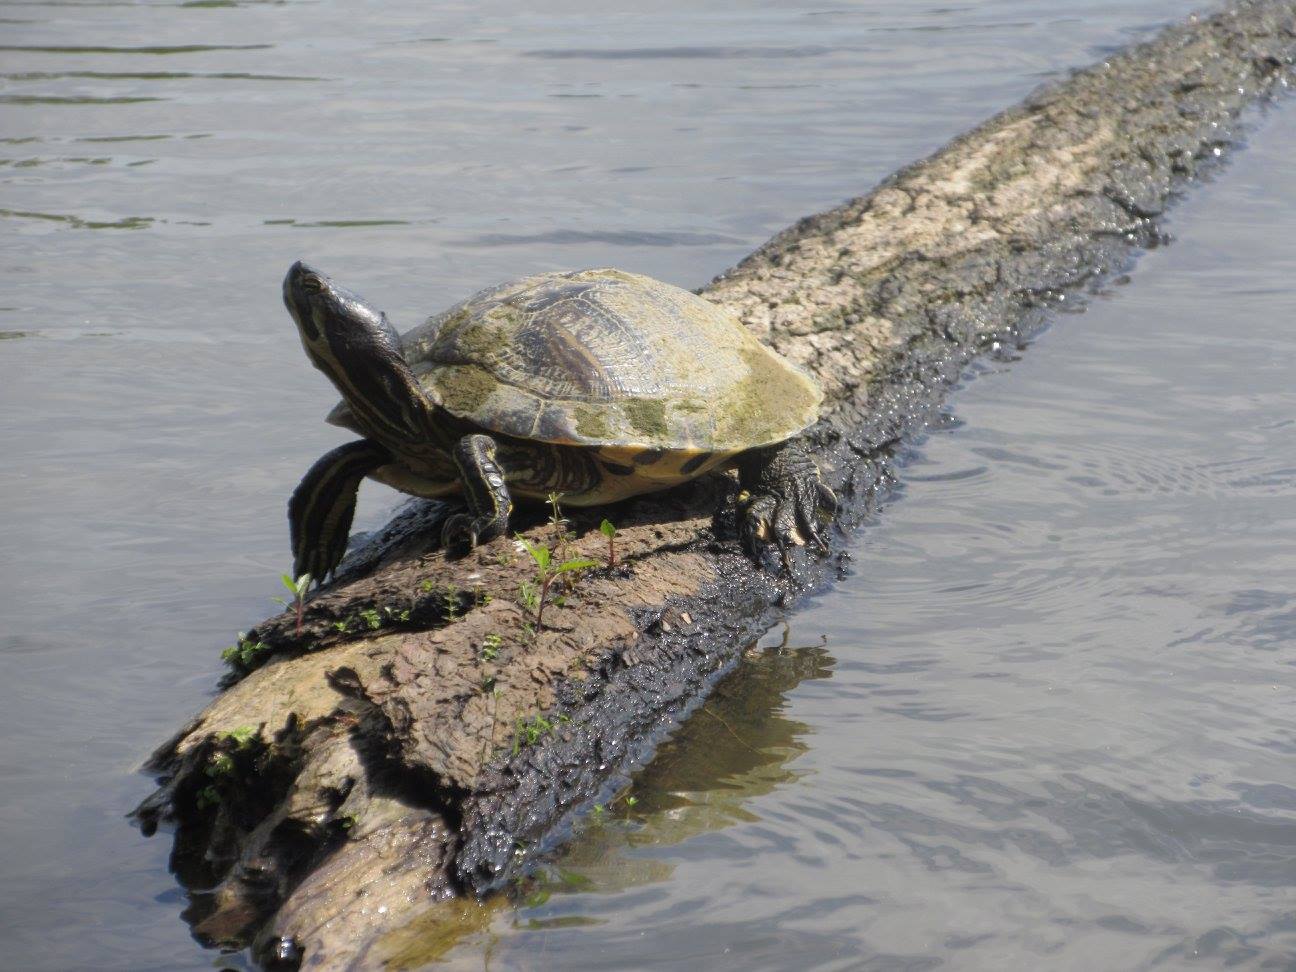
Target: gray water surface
1048, 723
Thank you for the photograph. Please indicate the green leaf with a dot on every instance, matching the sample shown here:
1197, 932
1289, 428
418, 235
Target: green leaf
241, 735
303, 583
538, 553
607, 529
288, 582
580, 563
220, 764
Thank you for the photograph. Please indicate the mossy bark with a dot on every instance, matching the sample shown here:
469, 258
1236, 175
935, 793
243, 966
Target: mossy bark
419, 741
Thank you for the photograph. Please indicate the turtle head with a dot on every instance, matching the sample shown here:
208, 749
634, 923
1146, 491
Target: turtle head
336, 326
360, 352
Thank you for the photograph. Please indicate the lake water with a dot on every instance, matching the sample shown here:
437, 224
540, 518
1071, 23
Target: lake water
1048, 721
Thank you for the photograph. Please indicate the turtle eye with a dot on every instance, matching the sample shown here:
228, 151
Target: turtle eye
312, 284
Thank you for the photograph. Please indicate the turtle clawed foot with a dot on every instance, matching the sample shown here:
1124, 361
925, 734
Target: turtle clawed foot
317, 572
463, 531
787, 507
323, 505
320, 560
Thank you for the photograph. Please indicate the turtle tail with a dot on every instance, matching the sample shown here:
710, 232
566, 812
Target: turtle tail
323, 505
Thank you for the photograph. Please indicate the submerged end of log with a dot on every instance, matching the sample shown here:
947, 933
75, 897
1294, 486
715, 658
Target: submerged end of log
419, 740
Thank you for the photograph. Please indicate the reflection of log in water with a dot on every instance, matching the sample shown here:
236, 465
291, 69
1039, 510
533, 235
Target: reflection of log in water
371, 763
736, 747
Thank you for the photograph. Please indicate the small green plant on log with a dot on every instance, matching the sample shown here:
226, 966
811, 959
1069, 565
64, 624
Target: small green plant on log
374, 618
243, 653
491, 646
528, 732
528, 597
220, 765
558, 523
240, 736
608, 530
562, 538
297, 588
547, 572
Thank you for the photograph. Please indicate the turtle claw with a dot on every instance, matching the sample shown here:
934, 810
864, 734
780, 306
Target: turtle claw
787, 506
460, 533
463, 531
318, 565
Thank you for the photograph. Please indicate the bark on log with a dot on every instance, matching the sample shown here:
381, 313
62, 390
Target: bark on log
415, 743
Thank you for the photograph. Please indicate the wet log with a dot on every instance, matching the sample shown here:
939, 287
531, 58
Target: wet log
422, 738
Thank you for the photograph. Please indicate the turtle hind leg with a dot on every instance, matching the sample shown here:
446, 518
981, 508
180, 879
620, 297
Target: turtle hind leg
786, 503
323, 505
489, 504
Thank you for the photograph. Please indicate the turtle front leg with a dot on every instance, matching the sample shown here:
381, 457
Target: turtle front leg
323, 505
488, 499
784, 502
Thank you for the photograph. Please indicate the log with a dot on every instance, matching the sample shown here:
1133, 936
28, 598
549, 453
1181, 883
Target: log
420, 740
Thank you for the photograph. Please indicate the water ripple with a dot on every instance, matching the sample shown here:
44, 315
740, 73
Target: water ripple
90, 49
682, 53
609, 237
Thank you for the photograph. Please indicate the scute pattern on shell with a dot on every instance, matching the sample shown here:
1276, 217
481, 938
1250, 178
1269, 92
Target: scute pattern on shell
605, 357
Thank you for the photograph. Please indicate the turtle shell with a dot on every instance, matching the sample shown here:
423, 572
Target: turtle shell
604, 357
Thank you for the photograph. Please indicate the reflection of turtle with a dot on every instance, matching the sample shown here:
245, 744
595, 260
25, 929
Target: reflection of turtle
596, 384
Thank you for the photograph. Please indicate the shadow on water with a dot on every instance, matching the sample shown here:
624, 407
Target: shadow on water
737, 746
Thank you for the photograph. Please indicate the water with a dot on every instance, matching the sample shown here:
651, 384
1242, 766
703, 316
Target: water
1049, 725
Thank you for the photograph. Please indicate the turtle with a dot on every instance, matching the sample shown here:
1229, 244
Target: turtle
597, 385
